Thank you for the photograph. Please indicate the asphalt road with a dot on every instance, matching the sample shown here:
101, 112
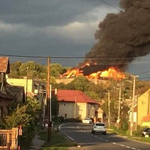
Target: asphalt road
81, 133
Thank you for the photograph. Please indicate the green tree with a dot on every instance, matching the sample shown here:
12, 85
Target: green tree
30, 68
55, 107
25, 115
56, 69
80, 83
93, 95
14, 69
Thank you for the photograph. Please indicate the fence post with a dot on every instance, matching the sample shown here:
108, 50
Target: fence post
8, 146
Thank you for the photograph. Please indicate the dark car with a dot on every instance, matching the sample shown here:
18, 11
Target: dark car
146, 132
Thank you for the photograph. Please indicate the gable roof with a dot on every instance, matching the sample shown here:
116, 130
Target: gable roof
146, 119
4, 65
74, 96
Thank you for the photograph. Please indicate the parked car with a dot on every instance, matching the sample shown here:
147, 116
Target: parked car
87, 120
146, 132
99, 128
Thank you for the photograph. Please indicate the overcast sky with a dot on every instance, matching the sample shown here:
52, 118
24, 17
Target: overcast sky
53, 27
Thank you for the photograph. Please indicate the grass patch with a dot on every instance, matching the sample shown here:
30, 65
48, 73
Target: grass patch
118, 131
58, 141
126, 133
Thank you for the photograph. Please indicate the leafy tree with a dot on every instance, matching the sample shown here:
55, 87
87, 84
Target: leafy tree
14, 69
80, 83
56, 69
55, 107
93, 95
52, 80
30, 68
25, 115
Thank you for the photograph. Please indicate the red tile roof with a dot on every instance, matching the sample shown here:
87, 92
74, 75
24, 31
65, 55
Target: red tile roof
146, 119
74, 95
4, 65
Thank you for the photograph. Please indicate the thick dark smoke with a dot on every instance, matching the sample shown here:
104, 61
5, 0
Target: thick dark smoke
121, 37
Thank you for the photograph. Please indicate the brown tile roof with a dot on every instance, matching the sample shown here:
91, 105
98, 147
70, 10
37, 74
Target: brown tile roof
74, 96
4, 65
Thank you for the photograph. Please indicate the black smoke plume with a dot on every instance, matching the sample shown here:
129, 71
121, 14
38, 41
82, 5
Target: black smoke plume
121, 37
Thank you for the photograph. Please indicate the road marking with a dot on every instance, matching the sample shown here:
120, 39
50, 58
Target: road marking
95, 136
101, 138
106, 140
92, 134
114, 143
128, 147
133, 148
70, 138
122, 145
64, 133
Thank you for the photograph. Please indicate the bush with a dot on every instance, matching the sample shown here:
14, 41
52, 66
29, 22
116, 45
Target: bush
138, 131
124, 126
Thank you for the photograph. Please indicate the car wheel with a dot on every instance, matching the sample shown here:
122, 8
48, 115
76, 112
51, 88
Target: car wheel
93, 132
104, 133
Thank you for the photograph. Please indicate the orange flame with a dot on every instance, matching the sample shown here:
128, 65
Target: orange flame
110, 73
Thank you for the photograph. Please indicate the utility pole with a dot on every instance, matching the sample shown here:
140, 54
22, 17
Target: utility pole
119, 106
27, 85
48, 101
109, 109
75, 108
133, 101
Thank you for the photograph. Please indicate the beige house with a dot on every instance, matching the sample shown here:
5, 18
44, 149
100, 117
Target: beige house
32, 87
75, 104
143, 106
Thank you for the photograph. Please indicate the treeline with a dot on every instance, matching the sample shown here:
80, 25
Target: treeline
35, 70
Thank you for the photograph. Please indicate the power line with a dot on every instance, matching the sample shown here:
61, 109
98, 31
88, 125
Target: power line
64, 57
111, 5
143, 72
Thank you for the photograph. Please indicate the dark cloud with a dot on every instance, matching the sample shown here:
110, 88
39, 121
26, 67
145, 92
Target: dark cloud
45, 12
23, 26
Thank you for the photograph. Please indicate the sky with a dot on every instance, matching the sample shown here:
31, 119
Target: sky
55, 28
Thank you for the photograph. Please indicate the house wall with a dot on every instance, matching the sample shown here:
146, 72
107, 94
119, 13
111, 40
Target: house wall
91, 108
66, 108
4, 103
143, 106
22, 82
146, 124
77, 110
81, 110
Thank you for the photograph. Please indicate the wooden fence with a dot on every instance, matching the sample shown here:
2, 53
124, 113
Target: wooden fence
9, 139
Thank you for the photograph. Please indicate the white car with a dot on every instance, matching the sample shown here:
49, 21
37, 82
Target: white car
99, 128
87, 121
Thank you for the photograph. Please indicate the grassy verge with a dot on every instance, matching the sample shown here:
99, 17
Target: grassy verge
126, 133
58, 141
